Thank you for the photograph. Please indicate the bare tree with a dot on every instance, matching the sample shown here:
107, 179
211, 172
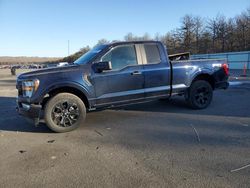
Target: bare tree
157, 36
231, 38
129, 37
146, 36
198, 31
212, 30
102, 41
187, 31
218, 30
242, 23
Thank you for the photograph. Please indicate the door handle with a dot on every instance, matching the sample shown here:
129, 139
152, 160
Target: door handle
136, 73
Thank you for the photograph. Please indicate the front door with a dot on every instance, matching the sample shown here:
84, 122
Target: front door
125, 82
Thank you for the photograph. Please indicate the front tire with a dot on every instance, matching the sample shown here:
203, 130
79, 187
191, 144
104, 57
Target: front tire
64, 112
200, 94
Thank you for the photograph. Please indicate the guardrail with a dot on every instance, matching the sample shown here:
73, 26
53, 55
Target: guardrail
236, 60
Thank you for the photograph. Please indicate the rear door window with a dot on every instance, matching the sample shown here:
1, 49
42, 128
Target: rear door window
152, 53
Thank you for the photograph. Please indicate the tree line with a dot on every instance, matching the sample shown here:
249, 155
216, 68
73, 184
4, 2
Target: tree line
23, 60
198, 35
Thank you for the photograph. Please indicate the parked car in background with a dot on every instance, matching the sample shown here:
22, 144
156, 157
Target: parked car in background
61, 64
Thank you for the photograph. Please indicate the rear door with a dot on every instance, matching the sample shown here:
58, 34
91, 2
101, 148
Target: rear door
124, 83
156, 70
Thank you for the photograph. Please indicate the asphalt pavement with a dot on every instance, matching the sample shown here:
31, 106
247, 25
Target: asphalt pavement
156, 144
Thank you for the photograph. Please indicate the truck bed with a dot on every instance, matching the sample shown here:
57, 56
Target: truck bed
185, 70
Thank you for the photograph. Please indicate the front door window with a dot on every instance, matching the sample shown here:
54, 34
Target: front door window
121, 57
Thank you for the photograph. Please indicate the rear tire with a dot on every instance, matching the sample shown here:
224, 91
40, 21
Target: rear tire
200, 94
64, 112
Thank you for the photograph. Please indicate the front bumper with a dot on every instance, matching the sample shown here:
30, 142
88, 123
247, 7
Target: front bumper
31, 111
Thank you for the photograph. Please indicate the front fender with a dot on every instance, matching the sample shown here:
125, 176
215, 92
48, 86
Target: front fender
38, 97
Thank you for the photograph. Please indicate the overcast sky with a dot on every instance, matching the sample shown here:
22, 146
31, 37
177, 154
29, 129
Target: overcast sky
43, 27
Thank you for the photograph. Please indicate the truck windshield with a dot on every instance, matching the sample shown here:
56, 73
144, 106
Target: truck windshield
89, 55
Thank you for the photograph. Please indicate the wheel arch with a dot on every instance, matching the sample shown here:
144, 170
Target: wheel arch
66, 89
206, 77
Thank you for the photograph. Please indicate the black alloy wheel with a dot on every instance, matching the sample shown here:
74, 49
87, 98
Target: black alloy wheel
200, 94
64, 112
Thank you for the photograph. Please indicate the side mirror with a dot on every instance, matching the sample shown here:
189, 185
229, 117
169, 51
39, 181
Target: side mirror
102, 66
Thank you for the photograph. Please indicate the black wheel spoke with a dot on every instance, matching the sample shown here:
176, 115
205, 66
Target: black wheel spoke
74, 112
202, 95
65, 105
66, 122
70, 121
197, 95
57, 120
56, 115
65, 113
73, 117
202, 101
58, 109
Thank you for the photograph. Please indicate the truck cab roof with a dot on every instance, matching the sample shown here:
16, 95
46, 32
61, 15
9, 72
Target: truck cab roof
131, 42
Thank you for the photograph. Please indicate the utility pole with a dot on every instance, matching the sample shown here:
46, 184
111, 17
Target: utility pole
68, 47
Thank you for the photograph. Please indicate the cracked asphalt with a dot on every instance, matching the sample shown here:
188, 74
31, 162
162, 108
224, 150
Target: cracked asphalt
156, 144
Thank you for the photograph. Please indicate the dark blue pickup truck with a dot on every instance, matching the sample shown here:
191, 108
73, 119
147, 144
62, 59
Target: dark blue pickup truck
115, 74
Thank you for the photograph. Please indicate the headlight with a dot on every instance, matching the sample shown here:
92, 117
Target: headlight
29, 87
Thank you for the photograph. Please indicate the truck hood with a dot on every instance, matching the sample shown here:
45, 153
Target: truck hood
47, 71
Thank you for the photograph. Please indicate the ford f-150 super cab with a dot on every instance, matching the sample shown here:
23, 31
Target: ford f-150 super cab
115, 74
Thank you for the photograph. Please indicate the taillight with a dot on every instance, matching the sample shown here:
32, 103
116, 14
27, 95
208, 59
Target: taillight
225, 68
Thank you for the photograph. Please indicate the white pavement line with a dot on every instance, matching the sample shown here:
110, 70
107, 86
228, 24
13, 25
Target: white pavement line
196, 132
244, 124
241, 168
235, 83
